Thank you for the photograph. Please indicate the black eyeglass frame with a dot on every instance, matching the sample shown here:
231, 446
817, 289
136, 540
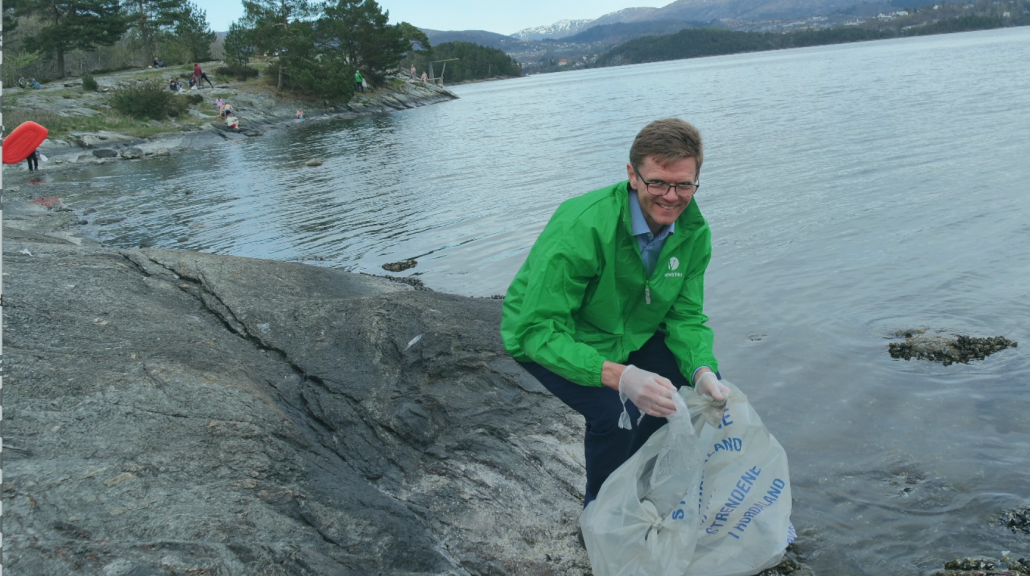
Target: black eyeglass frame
674, 187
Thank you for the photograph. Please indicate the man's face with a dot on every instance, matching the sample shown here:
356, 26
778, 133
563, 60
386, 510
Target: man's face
662, 210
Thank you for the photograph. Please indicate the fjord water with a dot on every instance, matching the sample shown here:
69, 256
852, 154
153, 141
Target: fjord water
852, 190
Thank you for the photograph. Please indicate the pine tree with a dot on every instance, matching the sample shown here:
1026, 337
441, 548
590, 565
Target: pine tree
361, 31
73, 24
149, 19
238, 45
277, 26
193, 31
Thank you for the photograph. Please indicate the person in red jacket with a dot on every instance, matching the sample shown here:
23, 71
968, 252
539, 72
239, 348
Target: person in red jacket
199, 75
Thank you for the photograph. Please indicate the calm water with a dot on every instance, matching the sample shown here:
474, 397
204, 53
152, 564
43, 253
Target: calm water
852, 190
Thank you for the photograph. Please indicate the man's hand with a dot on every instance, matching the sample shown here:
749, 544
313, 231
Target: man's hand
709, 385
651, 393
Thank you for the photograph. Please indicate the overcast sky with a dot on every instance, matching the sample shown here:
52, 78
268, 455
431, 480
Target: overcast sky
503, 17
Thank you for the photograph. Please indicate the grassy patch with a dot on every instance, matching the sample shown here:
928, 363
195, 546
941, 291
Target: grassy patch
62, 126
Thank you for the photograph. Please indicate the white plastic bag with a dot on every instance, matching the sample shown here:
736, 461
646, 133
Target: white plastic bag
745, 497
696, 499
645, 517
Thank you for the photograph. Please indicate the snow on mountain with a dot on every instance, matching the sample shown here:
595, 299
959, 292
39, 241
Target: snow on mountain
559, 29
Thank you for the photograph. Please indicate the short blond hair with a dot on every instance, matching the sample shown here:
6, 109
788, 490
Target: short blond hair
667, 141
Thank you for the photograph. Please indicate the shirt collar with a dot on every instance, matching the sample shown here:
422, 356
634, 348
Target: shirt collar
637, 217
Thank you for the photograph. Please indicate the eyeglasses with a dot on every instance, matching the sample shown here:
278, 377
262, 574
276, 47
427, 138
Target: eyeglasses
683, 190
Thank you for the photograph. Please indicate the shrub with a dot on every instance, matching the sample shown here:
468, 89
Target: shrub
238, 72
194, 98
148, 99
89, 84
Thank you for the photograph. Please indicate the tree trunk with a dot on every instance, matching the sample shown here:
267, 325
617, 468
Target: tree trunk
280, 86
60, 64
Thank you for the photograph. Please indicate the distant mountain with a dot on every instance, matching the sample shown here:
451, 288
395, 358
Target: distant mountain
622, 31
627, 15
481, 37
708, 10
575, 42
559, 29
700, 11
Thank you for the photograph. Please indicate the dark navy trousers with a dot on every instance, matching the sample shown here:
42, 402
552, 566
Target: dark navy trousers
606, 446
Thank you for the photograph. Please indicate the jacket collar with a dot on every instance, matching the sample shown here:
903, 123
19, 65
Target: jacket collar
688, 224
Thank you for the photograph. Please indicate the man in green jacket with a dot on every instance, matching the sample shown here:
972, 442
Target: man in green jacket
608, 305
359, 85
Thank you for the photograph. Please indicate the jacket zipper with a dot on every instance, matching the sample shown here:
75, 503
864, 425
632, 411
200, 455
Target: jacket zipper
647, 292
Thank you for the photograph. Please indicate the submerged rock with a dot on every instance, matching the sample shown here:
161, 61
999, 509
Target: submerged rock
400, 266
1006, 566
793, 564
944, 347
1017, 520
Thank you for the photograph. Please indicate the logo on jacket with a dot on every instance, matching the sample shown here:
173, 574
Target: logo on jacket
674, 263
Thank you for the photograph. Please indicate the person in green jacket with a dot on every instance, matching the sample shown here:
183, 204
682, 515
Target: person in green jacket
358, 81
608, 305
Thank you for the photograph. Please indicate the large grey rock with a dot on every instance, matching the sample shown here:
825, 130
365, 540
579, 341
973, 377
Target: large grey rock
171, 412
132, 153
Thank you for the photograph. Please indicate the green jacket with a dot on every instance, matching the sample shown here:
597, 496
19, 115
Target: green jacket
583, 297
357, 76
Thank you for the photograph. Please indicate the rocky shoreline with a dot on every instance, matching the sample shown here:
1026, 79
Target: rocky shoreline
258, 108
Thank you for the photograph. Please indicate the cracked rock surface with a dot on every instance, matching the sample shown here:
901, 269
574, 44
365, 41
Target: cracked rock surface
170, 412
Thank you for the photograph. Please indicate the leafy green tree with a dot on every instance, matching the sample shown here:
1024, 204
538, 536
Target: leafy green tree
73, 24
150, 19
277, 27
194, 32
360, 30
238, 46
327, 76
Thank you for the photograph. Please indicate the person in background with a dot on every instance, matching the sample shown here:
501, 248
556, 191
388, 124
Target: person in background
199, 76
359, 85
22, 82
412, 71
158, 63
33, 160
34, 84
300, 114
174, 86
608, 305
425, 77
218, 105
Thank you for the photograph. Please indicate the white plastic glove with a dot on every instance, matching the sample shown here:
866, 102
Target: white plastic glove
708, 384
651, 393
